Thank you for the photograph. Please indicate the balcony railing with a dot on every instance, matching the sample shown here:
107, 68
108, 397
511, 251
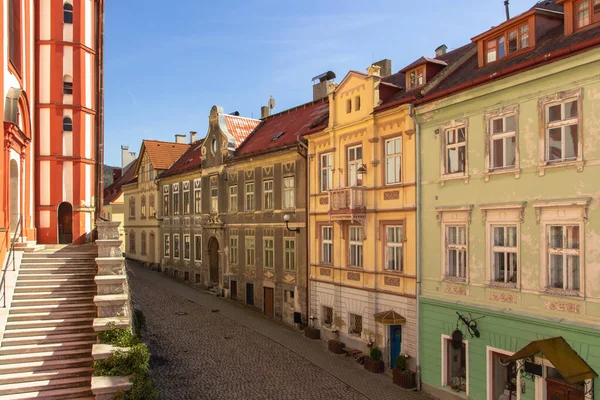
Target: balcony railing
347, 203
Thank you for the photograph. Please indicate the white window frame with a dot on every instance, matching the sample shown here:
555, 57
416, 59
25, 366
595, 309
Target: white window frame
289, 192
354, 178
357, 245
233, 199
395, 158
143, 206
234, 249
490, 371
269, 249
326, 170
394, 245
249, 204
454, 126
167, 245
504, 136
565, 252
289, 254
186, 196
132, 207
350, 332
323, 312
268, 194
187, 239
214, 199
166, 200
250, 245
445, 383
327, 243
454, 216
176, 246
176, 199
197, 254
144, 243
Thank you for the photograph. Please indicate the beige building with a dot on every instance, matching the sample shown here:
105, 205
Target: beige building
114, 203
140, 197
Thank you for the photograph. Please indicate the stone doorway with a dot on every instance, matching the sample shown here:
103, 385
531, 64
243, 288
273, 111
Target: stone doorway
15, 190
213, 260
65, 223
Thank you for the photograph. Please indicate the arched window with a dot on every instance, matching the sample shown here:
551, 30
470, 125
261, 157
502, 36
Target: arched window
143, 206
132, 241
67, 124
68, 84
68, 13
132, 208
143, 243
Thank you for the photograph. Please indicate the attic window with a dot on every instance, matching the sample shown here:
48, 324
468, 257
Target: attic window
586, 12
277, 136
510, 41
416, 78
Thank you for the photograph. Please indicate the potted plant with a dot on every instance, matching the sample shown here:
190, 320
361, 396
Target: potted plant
334, 345
312, 333
402, 376
374, 363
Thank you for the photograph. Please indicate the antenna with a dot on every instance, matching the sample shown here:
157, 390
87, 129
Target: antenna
507, 10
271, 102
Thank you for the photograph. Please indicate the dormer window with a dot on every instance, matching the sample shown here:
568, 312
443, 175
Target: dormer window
586, 12
416, 78
511, 41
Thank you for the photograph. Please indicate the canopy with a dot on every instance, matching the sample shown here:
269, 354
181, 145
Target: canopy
390, 318
566, 360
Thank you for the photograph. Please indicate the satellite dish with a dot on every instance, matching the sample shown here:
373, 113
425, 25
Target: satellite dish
457, 339
271, 102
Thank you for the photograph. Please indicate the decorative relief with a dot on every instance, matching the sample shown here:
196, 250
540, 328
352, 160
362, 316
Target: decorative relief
354, 276
395, 195
392, 124
562, 306
324, 200
322, 143
352, 135
324, 272
289, 278
267, 171
391, 281
459, 290
503, 297
197, 183
268, 275
232, 176
250, 273
289, 167
249, 174
186, 185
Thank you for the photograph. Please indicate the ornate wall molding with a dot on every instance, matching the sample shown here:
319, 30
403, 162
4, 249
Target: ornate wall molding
563, 307
503, 297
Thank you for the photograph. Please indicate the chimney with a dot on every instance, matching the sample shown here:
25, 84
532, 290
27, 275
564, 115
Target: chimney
386, 67
507, 9
441, 50
265, 111
126, 156
180, 139
321, 84
192, 137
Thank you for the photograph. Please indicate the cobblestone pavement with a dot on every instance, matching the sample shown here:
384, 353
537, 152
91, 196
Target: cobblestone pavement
236, 353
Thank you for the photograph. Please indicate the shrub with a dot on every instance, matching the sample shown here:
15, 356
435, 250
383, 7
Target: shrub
401, 362
375, 354
118, 337
139, 321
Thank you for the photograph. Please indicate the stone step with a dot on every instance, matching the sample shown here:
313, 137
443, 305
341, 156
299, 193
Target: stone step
59, 314
36, 348
79, 392
101, 324
49, 323
56, 330
35, 270
43, 375
65, 286
56, 294
62, 306
61, 282
12, 359
48, 338
66, 255
57, 262
83, 299
72, 362
31, 249
58, 276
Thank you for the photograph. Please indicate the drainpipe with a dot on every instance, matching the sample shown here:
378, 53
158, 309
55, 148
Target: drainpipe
304, 154
419, 266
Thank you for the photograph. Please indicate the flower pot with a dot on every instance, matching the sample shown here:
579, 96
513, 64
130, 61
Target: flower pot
405, 379
312, 333
374, 366
336, 347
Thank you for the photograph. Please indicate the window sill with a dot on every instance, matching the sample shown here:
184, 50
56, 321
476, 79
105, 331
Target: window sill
289, 271
453, 177
502, 171
454, 279
355, 267
560, 164
394, 272
356, 335
561, 292
460, 393
503, 285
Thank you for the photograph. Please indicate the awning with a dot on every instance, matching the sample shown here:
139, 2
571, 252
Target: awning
390, 318
566, 360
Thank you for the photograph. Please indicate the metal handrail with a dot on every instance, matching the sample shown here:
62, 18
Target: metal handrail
11, 252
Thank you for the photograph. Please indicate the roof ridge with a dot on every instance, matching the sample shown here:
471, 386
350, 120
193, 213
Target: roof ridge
240, 117
310, 103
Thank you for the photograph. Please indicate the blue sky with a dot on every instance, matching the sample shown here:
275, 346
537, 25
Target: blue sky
166, 66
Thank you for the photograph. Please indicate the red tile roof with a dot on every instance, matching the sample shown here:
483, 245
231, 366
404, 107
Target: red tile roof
163, 154
240, 127
188, 161
423, 60
304, 119
113, 192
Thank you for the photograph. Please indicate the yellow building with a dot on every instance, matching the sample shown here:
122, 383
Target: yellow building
114, 204
362, 218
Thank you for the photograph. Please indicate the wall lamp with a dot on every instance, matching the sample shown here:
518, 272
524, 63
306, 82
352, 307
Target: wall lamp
286, 218
154, 215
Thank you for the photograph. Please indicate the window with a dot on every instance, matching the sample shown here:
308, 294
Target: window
355, 257
348, 106
250, 196
524, 36
268, 249
502, 377
326, 172
268, 195
503, 142
152, 209
186, 201
167, 245
233, 201
355, 325
288, 296
393, 248
143, 252
491, 51
586, 12
250, 253
233, 249
393, 161
214, 146
214, 198
186, 247
132, 241
454, 364
456, 251
67, 124
198, 247
511, 41
132, 208
504, 254
143, 207
357, 103
176, 199
166, 204
197, 201
14, 32
563, 256
68, 13
186, 276
68, 84
289, 254
288, 192
354, 163
327, 316
416, 78
562, 131
176, 246
456, 150
327, 244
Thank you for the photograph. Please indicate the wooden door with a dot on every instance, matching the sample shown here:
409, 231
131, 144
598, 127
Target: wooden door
250, 294
561, 390
269, 298
213, 255
233, 289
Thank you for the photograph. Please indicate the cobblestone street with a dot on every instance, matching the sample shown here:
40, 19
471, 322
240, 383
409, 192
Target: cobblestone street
235, 353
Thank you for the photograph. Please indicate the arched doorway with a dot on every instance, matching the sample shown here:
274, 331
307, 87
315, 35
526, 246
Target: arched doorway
151, 255
15, 190
213, 259
65, 223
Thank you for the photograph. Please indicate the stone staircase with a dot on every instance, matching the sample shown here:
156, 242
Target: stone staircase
46, 351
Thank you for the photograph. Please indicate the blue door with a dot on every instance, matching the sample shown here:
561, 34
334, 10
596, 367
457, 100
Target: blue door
395, 343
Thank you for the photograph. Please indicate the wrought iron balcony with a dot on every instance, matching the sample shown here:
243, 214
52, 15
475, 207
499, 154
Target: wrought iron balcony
347, 203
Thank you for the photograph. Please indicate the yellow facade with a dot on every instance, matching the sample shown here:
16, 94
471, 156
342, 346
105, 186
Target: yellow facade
115, 211
366, 202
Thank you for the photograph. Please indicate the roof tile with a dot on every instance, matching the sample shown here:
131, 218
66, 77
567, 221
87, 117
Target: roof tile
240, 127
164, 154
